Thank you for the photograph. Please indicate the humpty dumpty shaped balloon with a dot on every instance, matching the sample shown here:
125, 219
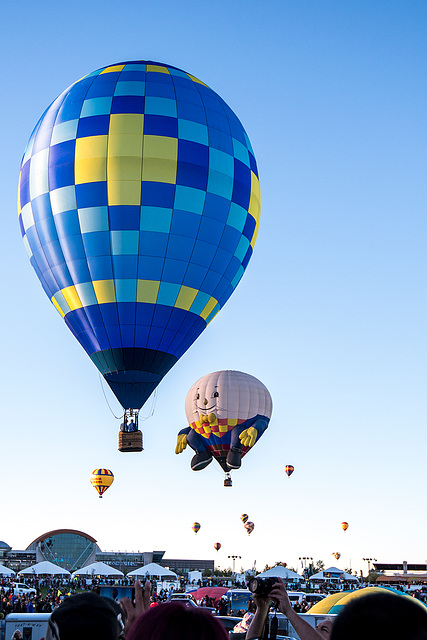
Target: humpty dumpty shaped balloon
227, 412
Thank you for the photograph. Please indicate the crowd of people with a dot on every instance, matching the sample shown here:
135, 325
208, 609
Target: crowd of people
147, 617
89, 616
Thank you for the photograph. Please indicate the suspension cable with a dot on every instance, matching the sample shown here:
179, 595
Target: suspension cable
106, 399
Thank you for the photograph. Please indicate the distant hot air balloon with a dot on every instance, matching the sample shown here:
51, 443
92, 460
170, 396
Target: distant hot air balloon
228, 411
249, 526
337, 555
217, 546
101, 479
344, 525
244, 517
139, 206
289, 469
196, 527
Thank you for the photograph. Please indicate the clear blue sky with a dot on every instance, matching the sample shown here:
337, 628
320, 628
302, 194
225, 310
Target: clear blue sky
330, 315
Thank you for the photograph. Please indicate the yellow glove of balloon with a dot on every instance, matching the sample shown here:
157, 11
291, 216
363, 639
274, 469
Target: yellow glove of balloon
248, 437
181, 443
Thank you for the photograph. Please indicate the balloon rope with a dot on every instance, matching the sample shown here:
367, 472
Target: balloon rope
153, 406
106, 399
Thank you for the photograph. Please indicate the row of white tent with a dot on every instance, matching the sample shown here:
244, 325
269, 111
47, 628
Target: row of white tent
95, 569
153, 570
287, 574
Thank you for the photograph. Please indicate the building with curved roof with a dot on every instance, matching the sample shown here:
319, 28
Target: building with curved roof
73, 549
67, 548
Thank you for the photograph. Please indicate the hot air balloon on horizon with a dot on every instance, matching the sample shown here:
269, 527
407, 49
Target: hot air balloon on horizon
289, 469
244, 517
227, 413
344, 526
139, 207
101, 480
196, 527
217, 546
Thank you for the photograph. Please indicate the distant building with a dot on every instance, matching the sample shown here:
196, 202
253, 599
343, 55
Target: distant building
72, 550
399, 573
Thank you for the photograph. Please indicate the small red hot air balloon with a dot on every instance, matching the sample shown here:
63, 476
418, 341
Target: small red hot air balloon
217, 546
344, 526
337, 555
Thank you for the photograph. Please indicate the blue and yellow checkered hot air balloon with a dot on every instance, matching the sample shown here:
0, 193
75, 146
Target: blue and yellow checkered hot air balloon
139, 206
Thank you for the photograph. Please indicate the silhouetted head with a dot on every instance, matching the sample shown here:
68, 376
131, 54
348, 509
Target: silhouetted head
176, 621
381, 615
85, 616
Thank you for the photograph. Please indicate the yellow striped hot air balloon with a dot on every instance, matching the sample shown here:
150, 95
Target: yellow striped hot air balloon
196, 527
101, 479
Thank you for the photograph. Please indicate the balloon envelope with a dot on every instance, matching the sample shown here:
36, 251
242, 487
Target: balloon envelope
101, 479
196, 527
139, 206
244, 517
344, 525
289, 469
249, 526
217, 546
221, 405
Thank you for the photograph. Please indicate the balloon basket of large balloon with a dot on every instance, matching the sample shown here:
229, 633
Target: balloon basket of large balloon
130, 441
228, 481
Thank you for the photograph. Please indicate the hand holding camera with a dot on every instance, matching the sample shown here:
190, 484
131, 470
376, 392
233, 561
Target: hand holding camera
272, 588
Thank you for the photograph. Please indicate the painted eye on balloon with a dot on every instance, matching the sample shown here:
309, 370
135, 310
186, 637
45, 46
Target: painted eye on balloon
198, 396
215, 395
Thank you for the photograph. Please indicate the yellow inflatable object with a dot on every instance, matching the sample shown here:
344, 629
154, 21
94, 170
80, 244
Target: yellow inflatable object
181, 443
248, 437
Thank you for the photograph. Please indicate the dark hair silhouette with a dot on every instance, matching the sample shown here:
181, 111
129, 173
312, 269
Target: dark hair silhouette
176, 621
381, 615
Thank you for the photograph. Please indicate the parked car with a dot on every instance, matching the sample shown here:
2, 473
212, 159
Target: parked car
229, 622
181, 596
19, 589
299, 596
188, 600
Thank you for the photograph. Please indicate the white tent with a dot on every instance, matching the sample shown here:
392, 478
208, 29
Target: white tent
153, 570
5, 571
98, 569
280, 572
45, 569
333, 573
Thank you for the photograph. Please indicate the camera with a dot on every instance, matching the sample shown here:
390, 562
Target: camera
261, 586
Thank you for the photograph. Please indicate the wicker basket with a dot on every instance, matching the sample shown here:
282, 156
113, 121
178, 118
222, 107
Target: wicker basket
130, 441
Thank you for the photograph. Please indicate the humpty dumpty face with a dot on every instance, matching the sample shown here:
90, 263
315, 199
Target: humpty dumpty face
228, 395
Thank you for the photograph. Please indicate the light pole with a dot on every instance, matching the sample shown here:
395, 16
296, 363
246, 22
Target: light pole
304, 559
234, 558
369, 560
